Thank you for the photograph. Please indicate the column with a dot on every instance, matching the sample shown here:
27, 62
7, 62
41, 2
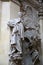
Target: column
41, 27
4, 59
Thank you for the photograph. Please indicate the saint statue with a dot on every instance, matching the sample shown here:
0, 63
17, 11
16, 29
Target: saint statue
17, 37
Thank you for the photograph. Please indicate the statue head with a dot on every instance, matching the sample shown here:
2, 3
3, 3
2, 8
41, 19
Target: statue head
20, 14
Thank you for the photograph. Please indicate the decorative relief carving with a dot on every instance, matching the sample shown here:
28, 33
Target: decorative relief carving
31, 26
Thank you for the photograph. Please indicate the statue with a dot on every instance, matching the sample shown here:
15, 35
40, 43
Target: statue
17, 37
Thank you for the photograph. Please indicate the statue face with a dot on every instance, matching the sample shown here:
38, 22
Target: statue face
20, 14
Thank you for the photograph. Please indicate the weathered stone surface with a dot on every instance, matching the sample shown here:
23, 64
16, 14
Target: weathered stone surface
31, 25
31, 45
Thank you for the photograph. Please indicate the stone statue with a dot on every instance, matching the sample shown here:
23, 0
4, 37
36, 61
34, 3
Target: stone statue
17, 37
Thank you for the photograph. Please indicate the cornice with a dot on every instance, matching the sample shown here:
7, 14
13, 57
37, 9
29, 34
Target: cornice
5, 0
34, 3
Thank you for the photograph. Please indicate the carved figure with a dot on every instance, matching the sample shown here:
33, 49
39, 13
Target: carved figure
17, 37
